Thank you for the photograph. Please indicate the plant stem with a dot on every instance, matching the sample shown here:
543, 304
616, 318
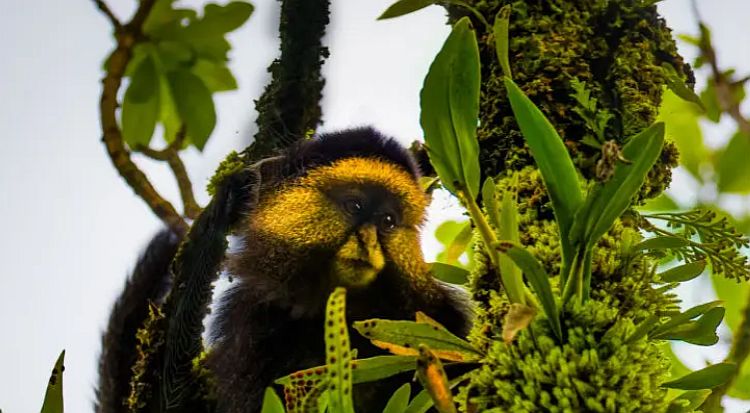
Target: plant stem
515, 288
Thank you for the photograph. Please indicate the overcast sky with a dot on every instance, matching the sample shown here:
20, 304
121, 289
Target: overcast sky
70, 228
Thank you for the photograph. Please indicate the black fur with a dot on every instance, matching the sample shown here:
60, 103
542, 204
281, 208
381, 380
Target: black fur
327, 148
149, 282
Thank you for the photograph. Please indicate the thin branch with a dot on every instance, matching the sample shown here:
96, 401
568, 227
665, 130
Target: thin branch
171, 155
108, 12
127, 38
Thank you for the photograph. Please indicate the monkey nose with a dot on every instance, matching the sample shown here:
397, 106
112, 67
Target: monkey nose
371, 251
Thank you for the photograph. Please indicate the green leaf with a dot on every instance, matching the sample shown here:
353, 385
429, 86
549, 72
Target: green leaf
500, 30
271, 402
216, 76
403, 7
449, 273
53, 398
688, 401
140, 107
459, 245
707, 378
363, 370
490, 202
538, 279
711, 103
732, 167
449, 103
677, 85
446, 233
338, 354
404, 337
194, 105
399, 401
701, 332
661, 242
432, 376
644, 328
551, 156
510, 273
682, 273
607, 202
681, 119
682, 318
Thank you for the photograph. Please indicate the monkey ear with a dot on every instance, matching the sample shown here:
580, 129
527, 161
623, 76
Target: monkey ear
270, 172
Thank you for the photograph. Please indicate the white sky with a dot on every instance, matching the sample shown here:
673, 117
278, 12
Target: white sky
70, 228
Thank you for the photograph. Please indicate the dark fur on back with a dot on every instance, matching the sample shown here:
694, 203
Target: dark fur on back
328, 148
149, 282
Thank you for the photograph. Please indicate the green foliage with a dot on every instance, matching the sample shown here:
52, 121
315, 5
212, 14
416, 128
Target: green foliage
403, 7
53, 397
596, 120
449, 273
449, 234
688, 401
732, 168
338, 354
706, 378
681, 119
718, 242
271, 402
682, 273
449, 100
399, 401
174, 73
404, 337
500, 31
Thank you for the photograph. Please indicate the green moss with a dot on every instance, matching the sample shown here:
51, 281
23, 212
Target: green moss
616, 47
232, 164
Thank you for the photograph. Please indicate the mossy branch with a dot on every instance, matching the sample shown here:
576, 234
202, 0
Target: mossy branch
128, 36
289, 108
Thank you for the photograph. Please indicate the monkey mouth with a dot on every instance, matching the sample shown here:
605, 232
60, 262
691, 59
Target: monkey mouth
355, 272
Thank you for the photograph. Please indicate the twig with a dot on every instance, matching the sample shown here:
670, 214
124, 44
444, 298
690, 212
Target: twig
127, 37
724, 85
108, 12
171, 155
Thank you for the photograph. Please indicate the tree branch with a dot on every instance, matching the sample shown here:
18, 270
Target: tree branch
171, 155
108, 12
127, 37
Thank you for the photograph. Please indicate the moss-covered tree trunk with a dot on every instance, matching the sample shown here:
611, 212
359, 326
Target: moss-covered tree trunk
615, 50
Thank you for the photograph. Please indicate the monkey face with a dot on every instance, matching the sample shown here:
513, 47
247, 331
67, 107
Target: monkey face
359, 211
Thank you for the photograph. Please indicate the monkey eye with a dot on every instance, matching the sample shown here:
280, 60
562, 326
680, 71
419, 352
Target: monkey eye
388, 221
353, 206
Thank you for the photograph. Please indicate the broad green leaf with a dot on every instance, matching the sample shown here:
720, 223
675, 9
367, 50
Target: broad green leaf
212, 48
682, 318
701, 332
53, 398
271, 402
681, 119
732, 167
508, 231
500, 30
607, 202
459, 245
538, 279
558, 173
216, 76
735, 297
173, 54
404, 337
449, 273
363, 370
399, 401
688, 401
449, 103
338, 354
432, 376
403, 7
194, 104
707, 378
446, 233
168, 115
220, 19
678, 86
661, 242
164, 17
490, 202
313, 399
140, 107
685, 272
